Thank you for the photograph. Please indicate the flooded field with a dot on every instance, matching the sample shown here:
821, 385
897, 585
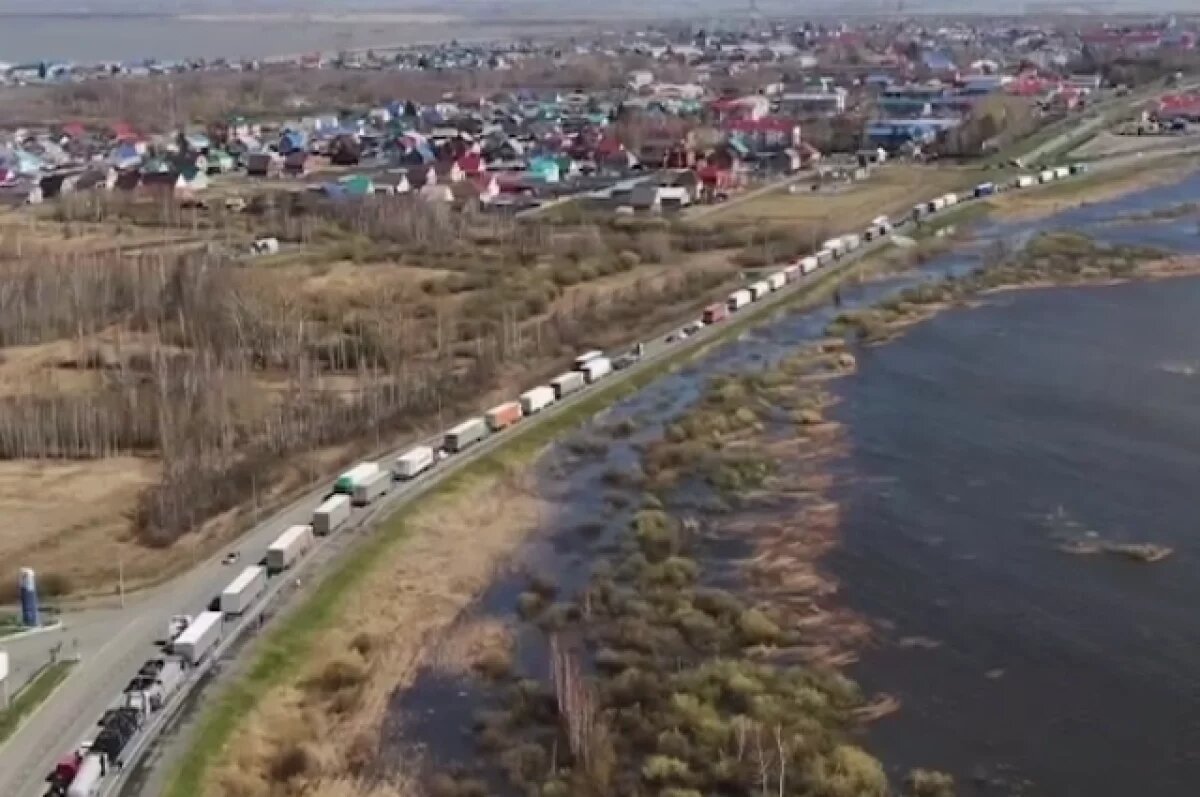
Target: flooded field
973, 454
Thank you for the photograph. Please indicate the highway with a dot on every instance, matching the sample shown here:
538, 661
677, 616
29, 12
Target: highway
124, 639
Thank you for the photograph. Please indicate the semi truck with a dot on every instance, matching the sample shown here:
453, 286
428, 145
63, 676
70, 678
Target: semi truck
1025, 180
1046, 176
87, 777
777, 280
464, 435
1061, 172
331, 514
985, 189
760, 289
372, 489
244, 590
414, 462
360, 473
792, 272
596, 369
536, 399
739, 299
834, 245
566, 384
587, 355
809, 264
288, 548
505, 415
851, 242
825, 257
714, 313
194, 644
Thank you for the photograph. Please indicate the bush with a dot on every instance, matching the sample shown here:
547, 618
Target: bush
756, 628
656, 533
494, 663
526, 763
529, 604
661, 768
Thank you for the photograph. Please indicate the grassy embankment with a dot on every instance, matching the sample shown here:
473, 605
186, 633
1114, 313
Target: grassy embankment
31, 696
282, 656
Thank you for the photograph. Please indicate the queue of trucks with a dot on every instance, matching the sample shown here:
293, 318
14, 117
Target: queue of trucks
982, 190
192, 642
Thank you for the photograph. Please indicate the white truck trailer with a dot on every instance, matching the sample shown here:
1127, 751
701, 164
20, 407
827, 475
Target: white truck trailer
777, 280
809, 264
566, 384
244, 590
587, 355
331, 514
88, 777
414, 462
834, 245
466, 434
596, 369
739, 299
361, 473
536, 399
288, 548
372, 489
760, 289
199, 639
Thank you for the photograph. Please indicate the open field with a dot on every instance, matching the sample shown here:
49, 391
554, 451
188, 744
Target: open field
890, 190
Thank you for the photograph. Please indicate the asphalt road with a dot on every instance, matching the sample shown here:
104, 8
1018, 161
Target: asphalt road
123, 640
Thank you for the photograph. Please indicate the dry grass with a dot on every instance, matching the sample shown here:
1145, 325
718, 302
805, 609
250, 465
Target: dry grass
890, 190
318, 733
72, 519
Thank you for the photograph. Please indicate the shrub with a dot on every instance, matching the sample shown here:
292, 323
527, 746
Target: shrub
543, 585
494, 663
525, 763
756, 628
529, 604
848, 772
341, 673
660, 768
656, 534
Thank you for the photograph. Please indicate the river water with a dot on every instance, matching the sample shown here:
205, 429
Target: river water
978, 442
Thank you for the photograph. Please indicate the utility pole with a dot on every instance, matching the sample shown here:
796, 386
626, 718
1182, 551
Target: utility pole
121, 579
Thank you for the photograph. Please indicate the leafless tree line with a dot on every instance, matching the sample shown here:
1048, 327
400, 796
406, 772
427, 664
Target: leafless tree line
181, 348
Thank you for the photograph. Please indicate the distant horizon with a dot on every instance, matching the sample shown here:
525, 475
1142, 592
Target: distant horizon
618, 9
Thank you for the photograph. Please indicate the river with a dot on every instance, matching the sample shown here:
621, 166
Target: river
976, 443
